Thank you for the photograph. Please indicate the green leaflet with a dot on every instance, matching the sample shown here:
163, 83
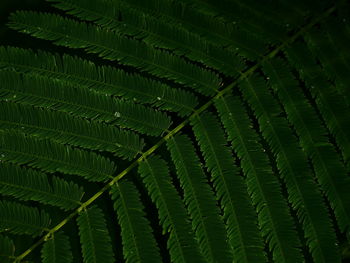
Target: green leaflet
62, 128
7, 249
139, 244
154, 32
215, 31
261, 23
94, 236
57, 249
171, 211
69, 33
104, 80
80, 102
200, 201
328, 167
330, 104
304, 194
231, 189
275, 221
26, 184
50, 157
20, 219
329, 48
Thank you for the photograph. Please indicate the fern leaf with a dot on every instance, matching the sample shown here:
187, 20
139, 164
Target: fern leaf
51, 157
69, 33
26, 184
138, 241
57, 249
239, 213
182, 245
20, 219
304, 194
217, 33
140, 118
153, 32
269, 22
80, 102
325, 46
331, 105
104, 80
94, 237
200, 200
328, 168
274, 219
65, 129
7, 249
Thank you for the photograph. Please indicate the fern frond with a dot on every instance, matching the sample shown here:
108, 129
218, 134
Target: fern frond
240, 216
108, 45
7, 249
245, 19
325, 45
65, 129
328, 168
331, 105
182, 245
20, 219
138, 241
94, 237
103, 79
57, 249
269, 22
275, 221
119, 17
217, 33
337, 29
304, 194
80, 102
27, 184
140, 118
200, 201
50, 157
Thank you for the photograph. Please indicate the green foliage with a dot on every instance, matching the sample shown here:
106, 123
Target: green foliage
103, 80
94, 237
7, 249
69, 33
304, 194
263, 186
138, 241
21, 219
57, 249
172, 213
199, 198
230, 187
63, 128
229, 120
27, 184
50, 156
